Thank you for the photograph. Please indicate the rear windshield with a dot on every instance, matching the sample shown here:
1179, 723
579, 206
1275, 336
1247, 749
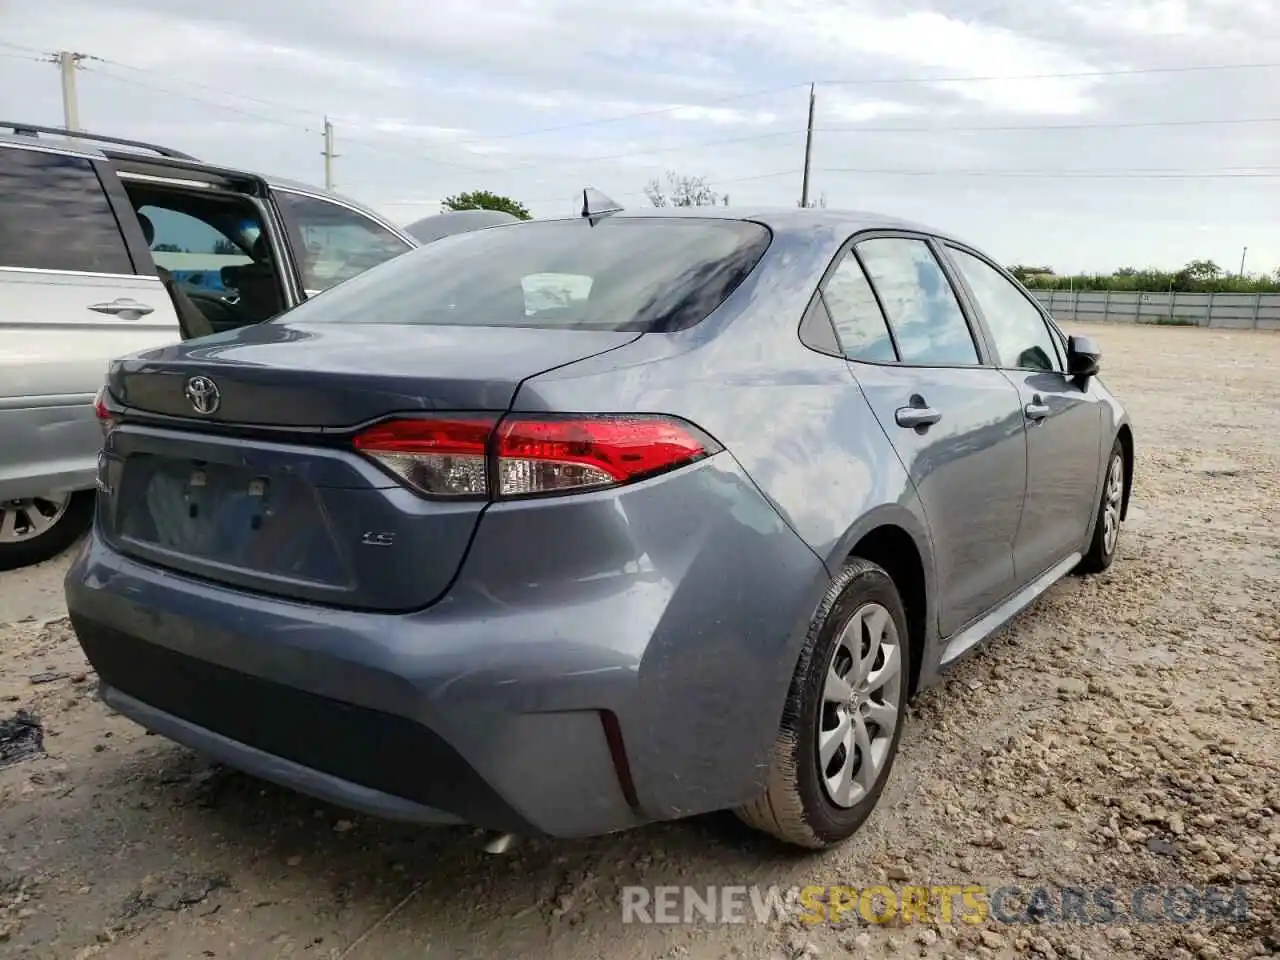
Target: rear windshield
641, 274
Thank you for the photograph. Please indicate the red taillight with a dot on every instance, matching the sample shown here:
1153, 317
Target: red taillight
441, 456
526, 456
105, 420
558, 453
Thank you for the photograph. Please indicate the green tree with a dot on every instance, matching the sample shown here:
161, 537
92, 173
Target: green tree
487, 200
1026, 274
1198, 276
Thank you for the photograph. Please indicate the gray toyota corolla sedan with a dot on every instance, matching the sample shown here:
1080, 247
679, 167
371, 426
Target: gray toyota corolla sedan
565, 526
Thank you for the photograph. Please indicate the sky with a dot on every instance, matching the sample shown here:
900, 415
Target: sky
1081, 135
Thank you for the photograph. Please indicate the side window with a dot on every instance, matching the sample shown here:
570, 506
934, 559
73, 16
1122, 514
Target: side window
859, 323
339, 243
1021, 336
922, 308
54, 215
190, 248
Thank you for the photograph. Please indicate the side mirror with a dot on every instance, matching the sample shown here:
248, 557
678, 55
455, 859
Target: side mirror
1083, 357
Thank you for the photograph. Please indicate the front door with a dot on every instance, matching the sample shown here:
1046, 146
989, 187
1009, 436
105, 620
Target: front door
1063, 419
955, 422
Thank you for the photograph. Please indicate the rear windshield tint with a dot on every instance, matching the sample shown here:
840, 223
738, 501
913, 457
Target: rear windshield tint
641, 274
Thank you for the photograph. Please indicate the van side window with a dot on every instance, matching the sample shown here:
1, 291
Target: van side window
54, 215
338, 243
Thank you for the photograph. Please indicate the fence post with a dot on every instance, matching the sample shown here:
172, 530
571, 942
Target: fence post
1257, 308
1106, 307
1173, 298
1075, 306
1208, 310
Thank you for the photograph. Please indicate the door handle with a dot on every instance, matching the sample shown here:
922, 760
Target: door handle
916, 417
1036, 409
121, 306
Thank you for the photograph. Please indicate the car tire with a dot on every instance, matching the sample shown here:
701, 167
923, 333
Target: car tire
808, 803
1106, 525
19, 550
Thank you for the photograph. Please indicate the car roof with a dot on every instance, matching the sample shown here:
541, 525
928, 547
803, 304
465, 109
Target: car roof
790, 219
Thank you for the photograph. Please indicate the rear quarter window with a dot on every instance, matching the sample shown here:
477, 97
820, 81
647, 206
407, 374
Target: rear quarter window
623, 274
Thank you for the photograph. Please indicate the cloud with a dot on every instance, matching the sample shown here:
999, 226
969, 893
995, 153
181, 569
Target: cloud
538, 98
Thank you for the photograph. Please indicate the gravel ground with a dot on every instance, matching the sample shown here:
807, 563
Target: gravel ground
1122, 732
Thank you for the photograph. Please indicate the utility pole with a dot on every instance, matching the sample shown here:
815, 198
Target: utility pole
329, 155
1242, 254
68, 63
808, 151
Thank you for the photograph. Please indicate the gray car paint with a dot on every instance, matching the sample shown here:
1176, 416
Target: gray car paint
435, 227
676, 605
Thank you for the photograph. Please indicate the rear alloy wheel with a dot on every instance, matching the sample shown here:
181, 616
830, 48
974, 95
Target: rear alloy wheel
843, 717
33, 529
1106, 529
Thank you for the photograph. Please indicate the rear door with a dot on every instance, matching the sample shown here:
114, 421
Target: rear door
72, 298
954, 420
333, 242
1063, 419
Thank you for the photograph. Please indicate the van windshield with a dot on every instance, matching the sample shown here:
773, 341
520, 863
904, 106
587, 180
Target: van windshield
624, 274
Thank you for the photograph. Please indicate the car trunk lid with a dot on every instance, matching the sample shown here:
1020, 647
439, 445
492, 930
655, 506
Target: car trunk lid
265, 491
333, 376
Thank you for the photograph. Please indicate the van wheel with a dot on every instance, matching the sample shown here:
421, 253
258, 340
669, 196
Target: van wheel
33, 529
843, 716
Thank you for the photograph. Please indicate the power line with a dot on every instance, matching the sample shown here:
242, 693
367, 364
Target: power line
799, 131
228, 93
195, 99
1075, 75
405, 150
1020, 127
1135, 174
148, 85
18, 46
657, 111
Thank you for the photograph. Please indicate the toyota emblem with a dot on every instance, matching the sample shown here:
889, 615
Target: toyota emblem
203, 394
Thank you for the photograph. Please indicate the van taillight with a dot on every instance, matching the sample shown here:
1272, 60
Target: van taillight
467, 456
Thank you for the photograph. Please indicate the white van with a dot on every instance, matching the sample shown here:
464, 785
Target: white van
97, 262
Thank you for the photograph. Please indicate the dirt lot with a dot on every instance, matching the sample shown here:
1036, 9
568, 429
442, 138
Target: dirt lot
1123, 731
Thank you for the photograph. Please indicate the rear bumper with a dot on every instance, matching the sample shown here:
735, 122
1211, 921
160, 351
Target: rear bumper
271, 767
568, 686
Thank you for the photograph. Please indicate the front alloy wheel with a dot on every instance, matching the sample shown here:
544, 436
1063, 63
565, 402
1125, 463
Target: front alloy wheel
1107, 522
